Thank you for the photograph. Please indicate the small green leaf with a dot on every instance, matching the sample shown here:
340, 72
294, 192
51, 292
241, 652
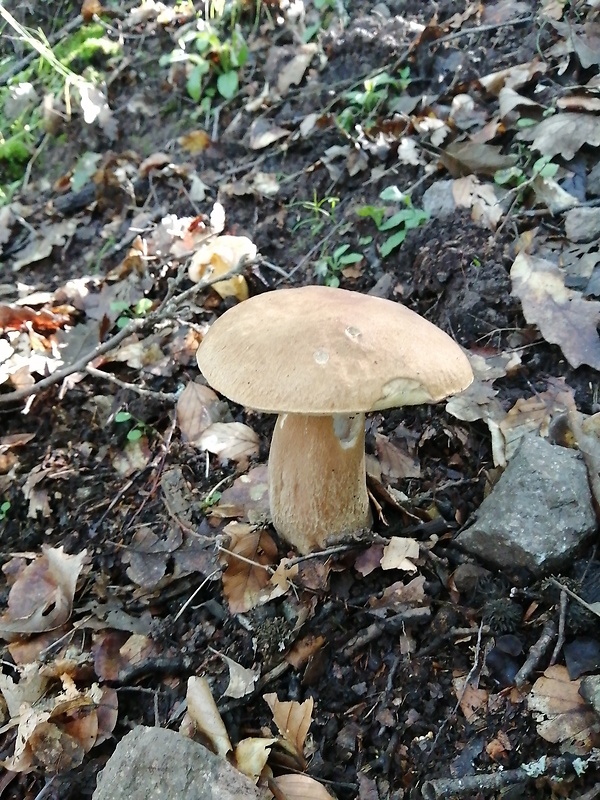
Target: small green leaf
364, 240
339, 251
333, 281
122, 322
394, 241
399, 218
134, 435
194, 83
143, 306
227, 84
351, 258
123, 416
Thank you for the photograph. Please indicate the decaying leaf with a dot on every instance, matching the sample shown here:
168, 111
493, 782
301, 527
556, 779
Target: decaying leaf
246, 580
401, 596
241, 679
251, 756
205, 716
473, 702
198, 406
247, 498
293, 720
562, 315
41, 598
564, 134
302, 787
230, 440
465, 158
398, 554
562, 714
470, 192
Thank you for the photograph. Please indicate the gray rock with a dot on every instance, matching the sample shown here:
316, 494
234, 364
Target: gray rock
439, 201
158, 764
582, 224
539, 513
593, 182
589, 689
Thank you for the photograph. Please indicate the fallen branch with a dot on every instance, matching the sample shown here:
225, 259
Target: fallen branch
470, 785
536, 653
166, 309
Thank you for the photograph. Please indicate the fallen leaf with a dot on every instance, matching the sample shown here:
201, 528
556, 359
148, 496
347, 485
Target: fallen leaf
203, 712
293, 720
219, 256
473, 702
301, 787
397, 554
562, 714
293, 72
195, 141
246, 580
230, 440
41, 599
563, 134
247, 498
241, 679
262, 133
251, 756
562, 315
465, 158
198, 407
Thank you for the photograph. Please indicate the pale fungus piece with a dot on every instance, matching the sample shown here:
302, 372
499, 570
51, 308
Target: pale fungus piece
221, 255
321, 358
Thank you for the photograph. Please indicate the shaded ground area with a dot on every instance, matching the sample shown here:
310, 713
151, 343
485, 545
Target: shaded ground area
91, 464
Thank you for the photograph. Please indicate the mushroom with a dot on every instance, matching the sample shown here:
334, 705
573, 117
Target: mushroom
320, 358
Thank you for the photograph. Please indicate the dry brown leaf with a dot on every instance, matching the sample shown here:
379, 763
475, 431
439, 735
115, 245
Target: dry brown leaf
304, 649
562, 315
203, 712
197, 408
562, 714
195, 141
246, 581
469, 192
302, 787
473, 702
263, 133
465, 158
230, 440
563, 134
293, 720
251, 756
47, 237
132, 458
247, 498
41, 599
397, 554
513, 77
394, 459
241, 679
401, 596
293, 72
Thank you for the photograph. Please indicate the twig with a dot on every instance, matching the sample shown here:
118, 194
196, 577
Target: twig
482, 29
489, 782
536, 653
561, 628
45, 791
165, 309
168, 397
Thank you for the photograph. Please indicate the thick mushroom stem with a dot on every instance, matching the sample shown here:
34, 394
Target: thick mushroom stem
317, 482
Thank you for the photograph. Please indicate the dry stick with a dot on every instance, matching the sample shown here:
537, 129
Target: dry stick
489, 782
536, 653
165, 309
483, 29
561, 628
170, 397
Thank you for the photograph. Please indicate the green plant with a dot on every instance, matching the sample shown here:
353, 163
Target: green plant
127, 312
328, 267
214, 67
136, 431
319, 212
4, 509
398, 225
376, 92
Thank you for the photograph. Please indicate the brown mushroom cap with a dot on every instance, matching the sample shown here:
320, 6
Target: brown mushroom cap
319, 350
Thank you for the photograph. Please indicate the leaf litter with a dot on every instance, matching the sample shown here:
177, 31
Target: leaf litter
120, 275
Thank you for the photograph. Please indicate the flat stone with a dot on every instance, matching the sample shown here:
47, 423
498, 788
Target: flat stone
582, 224
158, 764
538, 515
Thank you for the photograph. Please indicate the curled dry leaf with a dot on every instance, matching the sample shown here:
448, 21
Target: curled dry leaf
230, 440
197, 408
205, 715
246, 580
41, 598
251, 756
219, 256
301, 787
293, 720
564, 134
